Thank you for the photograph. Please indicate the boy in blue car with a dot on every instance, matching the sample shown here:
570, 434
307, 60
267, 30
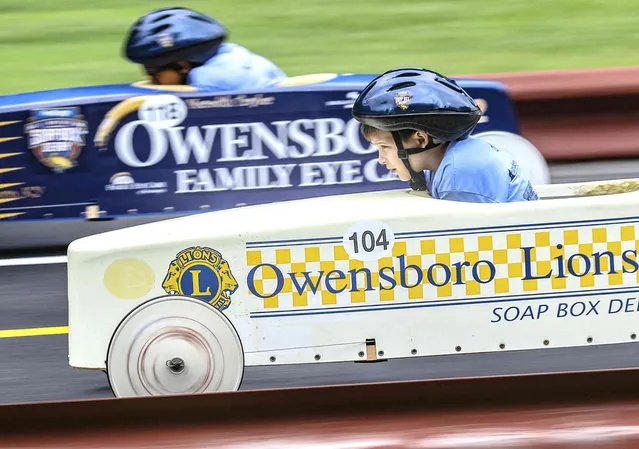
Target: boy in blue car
421, 123
182, 46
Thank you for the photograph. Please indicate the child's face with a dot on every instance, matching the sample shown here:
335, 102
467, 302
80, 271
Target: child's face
388, 156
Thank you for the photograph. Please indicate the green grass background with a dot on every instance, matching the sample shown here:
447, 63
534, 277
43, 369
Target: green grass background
48, 44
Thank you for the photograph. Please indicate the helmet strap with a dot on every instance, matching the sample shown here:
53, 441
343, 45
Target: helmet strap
417, 179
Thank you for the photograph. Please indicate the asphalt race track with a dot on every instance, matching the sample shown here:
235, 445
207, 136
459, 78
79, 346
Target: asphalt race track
35, 369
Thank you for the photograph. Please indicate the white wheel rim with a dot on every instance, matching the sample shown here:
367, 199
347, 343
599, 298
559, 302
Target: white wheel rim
533, 164
174, 345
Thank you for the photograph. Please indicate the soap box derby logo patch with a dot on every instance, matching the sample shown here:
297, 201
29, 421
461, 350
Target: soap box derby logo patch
202, 273
56, 136
403, 99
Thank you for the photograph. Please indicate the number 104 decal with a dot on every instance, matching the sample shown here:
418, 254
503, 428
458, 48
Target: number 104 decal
368, 240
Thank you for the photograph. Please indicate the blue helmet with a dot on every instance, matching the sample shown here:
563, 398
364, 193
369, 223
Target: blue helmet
419, 99
168, 35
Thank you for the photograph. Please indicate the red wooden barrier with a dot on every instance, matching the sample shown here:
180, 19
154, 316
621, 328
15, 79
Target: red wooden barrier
573, 115
587, 409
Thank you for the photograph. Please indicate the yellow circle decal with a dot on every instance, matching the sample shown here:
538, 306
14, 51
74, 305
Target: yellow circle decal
129, 278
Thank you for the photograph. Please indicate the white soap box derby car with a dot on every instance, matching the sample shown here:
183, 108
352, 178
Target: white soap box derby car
184, 305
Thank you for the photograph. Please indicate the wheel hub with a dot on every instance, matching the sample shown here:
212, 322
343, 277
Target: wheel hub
176, 365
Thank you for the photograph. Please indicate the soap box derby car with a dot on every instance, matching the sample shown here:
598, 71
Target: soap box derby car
183, 305
136, 152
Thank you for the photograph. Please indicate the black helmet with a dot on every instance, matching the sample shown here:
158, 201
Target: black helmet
418, 99
168, 35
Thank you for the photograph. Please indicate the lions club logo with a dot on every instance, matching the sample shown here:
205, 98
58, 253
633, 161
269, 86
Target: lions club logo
202, 273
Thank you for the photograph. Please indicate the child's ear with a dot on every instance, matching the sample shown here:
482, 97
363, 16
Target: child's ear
422, 138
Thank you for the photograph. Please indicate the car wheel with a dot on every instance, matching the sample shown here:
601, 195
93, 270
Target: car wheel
174, 345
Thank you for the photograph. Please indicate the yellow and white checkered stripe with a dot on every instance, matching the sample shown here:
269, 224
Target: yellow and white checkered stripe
501, 249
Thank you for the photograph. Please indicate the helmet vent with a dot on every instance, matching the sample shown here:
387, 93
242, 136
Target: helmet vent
403, 85
162, 17
407, 74
200, 18
451, 84
161, 28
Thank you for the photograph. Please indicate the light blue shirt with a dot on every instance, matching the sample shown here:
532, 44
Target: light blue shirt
235, 68
474, 171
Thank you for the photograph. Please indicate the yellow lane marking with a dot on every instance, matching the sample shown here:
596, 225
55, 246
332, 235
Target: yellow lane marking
8, 123
34, 331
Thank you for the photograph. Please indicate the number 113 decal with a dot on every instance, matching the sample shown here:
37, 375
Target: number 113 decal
368, 240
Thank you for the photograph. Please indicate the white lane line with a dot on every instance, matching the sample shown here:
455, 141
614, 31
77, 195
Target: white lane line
46, 260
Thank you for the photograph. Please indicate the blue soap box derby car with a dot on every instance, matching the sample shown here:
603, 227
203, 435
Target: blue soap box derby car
83, 160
